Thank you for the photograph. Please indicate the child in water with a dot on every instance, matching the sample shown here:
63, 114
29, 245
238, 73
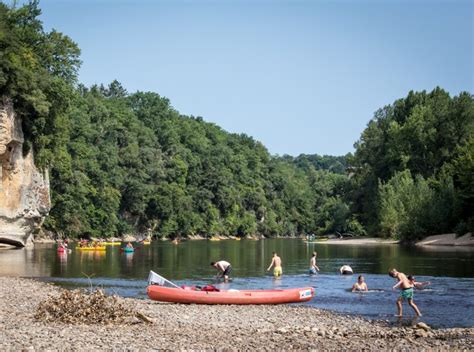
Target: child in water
416, 284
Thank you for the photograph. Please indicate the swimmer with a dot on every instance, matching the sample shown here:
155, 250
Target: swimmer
346, 270
360, 285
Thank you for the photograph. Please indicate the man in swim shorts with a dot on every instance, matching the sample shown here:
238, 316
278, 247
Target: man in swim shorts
223, 268
406, 292
276, 263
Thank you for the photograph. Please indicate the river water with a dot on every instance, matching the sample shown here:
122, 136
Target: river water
447, 302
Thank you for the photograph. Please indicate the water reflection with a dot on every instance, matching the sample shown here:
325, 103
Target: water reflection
128, 260
62, 256
190, 259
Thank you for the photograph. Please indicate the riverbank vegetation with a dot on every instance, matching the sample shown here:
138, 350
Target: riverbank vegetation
415, 167
125, 162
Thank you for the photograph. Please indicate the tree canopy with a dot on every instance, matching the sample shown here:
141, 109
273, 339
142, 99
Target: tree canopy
37, 72
125, 162
414, 165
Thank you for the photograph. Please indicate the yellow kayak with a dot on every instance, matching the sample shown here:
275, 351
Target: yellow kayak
146, 242
113, 243
214, 239
102, 248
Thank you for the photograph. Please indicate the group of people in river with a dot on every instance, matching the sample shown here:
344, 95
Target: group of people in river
405, 283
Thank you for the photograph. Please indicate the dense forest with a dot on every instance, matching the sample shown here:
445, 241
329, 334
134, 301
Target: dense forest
123, 162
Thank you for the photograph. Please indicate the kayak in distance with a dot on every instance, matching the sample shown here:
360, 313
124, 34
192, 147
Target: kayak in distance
97, 248
118, 243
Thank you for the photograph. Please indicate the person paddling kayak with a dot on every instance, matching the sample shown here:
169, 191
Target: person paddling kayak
223, 268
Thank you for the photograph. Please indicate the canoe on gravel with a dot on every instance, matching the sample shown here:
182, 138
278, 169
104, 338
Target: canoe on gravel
180, 295
158, 291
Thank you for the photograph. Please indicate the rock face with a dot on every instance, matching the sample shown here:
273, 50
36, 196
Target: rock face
24, 190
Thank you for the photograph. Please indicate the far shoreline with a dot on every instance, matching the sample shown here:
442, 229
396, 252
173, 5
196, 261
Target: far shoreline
451, 239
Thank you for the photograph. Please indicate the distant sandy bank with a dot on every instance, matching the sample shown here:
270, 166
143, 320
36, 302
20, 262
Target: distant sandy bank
450, 239
360, 241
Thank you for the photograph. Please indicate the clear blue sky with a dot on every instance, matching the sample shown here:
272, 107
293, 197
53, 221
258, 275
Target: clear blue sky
299, 76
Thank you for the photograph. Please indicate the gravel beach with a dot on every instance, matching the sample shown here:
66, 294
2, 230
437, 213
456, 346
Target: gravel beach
195, 327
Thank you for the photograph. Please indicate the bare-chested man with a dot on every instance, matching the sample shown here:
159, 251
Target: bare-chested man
223, 268
276, 263
406, 288
313, 268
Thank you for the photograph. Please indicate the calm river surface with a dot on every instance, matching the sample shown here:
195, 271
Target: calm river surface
448, 302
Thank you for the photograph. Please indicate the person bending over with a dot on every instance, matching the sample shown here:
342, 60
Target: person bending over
346, 270
223, 269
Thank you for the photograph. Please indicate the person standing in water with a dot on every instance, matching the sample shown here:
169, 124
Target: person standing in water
276, 263
223, 268
313, 268
406, 292
360, 285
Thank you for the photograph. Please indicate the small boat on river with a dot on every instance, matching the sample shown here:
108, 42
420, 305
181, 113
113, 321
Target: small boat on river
116, 243
157, 291
95, 248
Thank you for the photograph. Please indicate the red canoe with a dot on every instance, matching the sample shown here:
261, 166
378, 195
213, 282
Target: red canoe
179, 295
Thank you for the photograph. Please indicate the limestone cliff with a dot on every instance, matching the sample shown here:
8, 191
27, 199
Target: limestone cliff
24, 190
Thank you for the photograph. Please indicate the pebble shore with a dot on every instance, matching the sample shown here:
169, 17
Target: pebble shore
196, 327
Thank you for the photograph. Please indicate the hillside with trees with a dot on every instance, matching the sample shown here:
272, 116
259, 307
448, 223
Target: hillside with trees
125, 162
415, 166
